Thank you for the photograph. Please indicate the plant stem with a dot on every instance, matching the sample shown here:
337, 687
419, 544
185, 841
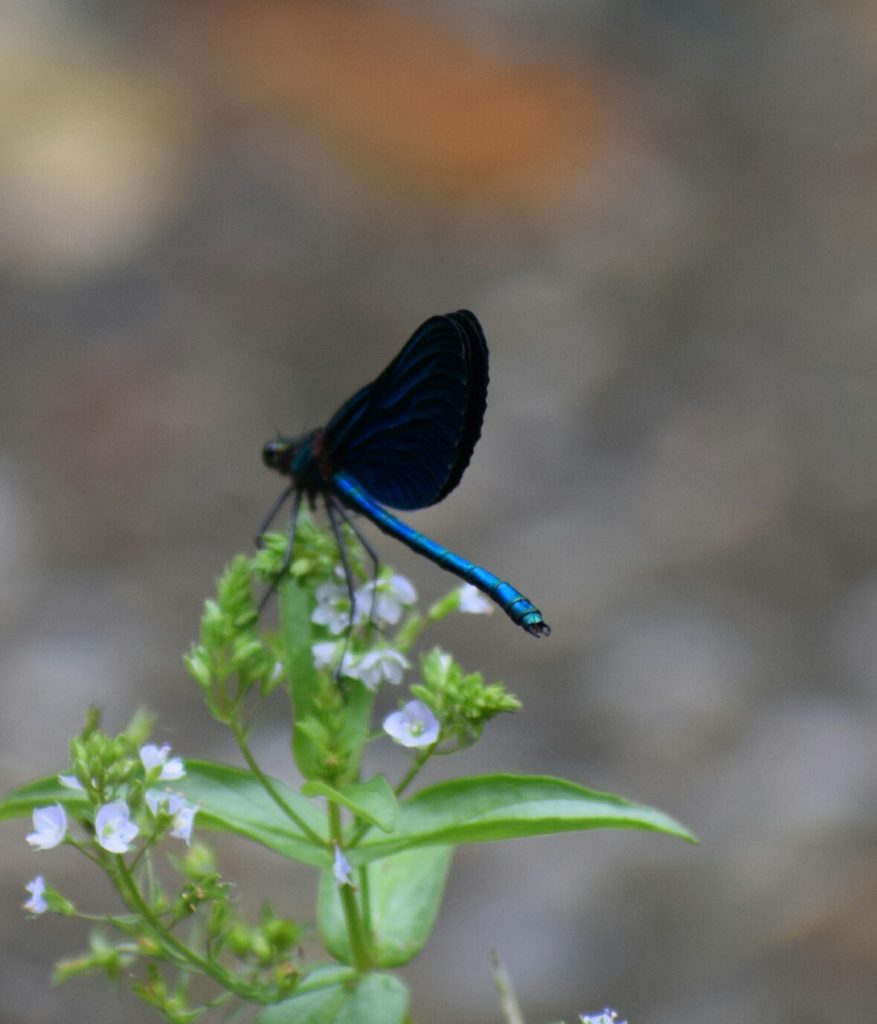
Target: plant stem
414, 770
267, 785
366, 905
177, 950
359, 948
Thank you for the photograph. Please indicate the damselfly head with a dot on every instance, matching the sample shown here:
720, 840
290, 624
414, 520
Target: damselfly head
278, 454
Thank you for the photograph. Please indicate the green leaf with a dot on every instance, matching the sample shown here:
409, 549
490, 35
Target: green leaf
374, 999
232, 799
374, 801
490, 807
24, 800
404, 894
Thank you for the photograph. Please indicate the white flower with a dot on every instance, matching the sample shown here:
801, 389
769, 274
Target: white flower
414, 726
473, 602
50, 827
383, 600
71, 782
341, 868
153, 756
184, 821
181, 811
375, 667
333, 607
326, 655
155, 798
113, 827
36, 904
607, 1016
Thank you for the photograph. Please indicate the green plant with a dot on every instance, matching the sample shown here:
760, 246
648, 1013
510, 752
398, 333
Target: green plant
382, 855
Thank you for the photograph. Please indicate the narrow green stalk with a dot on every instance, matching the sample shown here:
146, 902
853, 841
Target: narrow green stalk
178, 951
415, 769
265, 783
83, 849
362, 874
359, 947
127, 924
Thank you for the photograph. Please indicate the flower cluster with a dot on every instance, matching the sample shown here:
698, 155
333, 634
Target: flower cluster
114, 829
606, 1016
383, 602
380, 602
462, 701
384, 665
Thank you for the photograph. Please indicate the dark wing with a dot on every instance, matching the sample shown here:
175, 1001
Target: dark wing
408, 436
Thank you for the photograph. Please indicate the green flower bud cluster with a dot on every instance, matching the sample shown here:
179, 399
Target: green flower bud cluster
461, 701
232, 655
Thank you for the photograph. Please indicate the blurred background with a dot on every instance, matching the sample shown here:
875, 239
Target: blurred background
219, 216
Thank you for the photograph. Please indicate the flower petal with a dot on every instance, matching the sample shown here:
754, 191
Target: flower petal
50, 827
413, 726
36, 904
113, 828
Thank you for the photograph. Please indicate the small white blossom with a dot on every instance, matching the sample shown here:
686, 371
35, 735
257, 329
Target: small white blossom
473, 602
326, 654
153, 756
71, 782
607, 1016
36, 904
341, 868
184, 821
113, 827
413, 726
333, 607
382, 666
181, 811
383, 600
155, 798
50, 827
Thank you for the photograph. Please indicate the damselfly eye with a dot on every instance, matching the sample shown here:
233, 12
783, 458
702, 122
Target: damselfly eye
274, 454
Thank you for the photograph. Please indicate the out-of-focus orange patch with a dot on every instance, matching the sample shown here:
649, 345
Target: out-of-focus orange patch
410, 99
